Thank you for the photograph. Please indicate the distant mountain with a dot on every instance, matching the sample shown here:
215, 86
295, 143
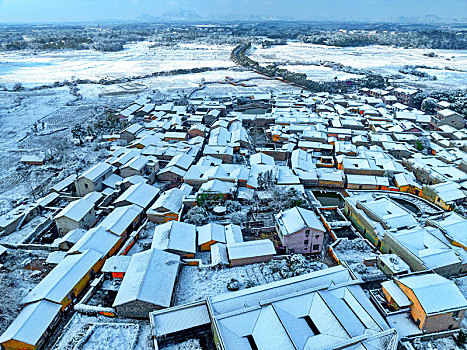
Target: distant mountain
180, 15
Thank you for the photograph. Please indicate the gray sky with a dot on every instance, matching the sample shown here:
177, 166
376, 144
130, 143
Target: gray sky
83, 10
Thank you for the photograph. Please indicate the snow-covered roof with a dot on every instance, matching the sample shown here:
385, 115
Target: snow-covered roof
367, 180
448, 191
250, 249
63, 278
141, 194
97, 171
219, 254
396, 293
64, 183
427, 244
76, 210
112, 181
133, 129
295, 219
435, 293
211, 232
136, 163
217, 186
31, 323
261, 158
390, 213
179, 318
98, 239
170, 200
121, 218
290, 318
45, 201
175, 236
93, 197
454, 225
233, 234
183, 161
150, 277
117, 263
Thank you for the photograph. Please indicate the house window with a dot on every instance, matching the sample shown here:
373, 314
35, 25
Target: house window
450, 327
317, 237
86, 186
455, 313
418, 323
315, 246
306, 241
307, 233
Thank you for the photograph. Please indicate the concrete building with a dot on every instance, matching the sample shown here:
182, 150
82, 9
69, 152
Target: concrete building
148, 283
300, 231
77, 214
436, 304
91, 180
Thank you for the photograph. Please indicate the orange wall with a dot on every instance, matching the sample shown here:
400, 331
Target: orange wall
416, 310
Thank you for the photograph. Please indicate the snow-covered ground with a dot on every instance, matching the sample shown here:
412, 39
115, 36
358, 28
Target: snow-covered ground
16, 282
76, 336
195, 283
384, 60
38, 68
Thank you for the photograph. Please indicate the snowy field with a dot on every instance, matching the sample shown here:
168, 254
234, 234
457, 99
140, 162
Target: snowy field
38, 68
195, 283
85, 332
384, 60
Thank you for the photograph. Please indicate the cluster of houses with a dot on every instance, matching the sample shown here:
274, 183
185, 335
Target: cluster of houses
403, 178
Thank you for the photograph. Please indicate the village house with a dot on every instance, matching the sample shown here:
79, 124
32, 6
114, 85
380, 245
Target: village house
136, 166
425, 248
77, 214
67, 241
210, 234
123, 220
116, 266
99, 240
175, 237
67, 280
142, 194
91, 180
445, 195
148, 283
168, 206
32, 159
129, 134
447, 117
32, 326
300, 231
436, 304
250, 252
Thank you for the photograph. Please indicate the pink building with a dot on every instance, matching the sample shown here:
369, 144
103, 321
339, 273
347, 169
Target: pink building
300, 231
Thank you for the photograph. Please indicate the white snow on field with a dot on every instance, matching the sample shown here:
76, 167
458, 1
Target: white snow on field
195, 283
321, 73
75, 334
190, 344
380, 59
103, 336
446, 343
32, 68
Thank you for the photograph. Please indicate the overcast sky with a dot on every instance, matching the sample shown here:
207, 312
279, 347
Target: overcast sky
84, 10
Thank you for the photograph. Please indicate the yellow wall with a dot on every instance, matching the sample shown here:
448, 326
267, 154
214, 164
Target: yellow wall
17, 345
206, 246
416, 310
